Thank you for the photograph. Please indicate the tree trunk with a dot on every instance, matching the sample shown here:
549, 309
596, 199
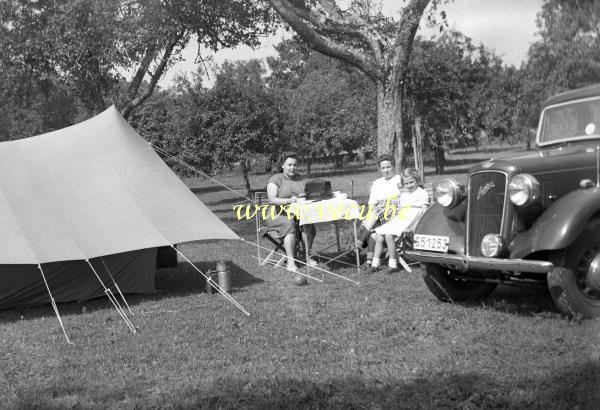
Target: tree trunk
307, 166
245, 171
418, 149
389, 123
440, 159
268, 166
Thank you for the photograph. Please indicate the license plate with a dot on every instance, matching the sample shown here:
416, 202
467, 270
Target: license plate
431, 243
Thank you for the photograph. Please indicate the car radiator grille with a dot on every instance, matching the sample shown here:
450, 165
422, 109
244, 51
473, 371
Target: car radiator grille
486, 203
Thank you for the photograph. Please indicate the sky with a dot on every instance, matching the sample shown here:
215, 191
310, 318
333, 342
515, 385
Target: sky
506, 26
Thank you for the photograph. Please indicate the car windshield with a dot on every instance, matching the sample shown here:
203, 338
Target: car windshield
570, 121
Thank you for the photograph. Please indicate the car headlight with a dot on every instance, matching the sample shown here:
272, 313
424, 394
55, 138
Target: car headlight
523, 189
492, 245
448, 193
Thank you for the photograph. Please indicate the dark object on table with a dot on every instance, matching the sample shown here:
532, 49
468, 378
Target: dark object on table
318, 189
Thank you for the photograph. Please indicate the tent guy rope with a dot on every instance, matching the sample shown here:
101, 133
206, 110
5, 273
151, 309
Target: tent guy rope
54, 305
174, 158
304, 263
213, 284
114, 300
116, 285
162, 151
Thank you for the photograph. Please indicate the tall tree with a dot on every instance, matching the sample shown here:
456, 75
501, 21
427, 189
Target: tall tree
567, 55
243, 117
461, 91
362, 36
442, 74
84, 48
234, 122
328, 105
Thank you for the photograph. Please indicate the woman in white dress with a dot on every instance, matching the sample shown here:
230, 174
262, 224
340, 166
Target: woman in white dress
382, 190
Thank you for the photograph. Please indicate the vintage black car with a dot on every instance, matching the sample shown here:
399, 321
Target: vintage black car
530, 219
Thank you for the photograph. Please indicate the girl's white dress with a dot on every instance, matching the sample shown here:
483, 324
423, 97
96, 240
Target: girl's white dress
410, 208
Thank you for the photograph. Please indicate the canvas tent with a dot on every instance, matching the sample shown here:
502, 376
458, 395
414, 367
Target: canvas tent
90, 191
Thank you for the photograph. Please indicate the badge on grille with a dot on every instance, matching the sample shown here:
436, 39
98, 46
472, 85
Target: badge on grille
485, 189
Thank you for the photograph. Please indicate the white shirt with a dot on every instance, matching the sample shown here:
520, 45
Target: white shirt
406, 216
382, 189
418, 197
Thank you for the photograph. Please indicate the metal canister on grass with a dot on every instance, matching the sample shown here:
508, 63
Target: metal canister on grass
224, 275
211, 277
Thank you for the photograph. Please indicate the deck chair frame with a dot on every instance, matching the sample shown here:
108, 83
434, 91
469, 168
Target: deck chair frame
277, 255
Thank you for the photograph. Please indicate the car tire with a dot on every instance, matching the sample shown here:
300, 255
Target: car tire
568, 288
447, 289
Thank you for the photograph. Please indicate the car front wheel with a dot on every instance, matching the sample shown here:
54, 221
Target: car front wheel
447, 288
575, 287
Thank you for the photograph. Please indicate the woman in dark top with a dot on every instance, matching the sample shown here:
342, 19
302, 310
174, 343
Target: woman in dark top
284, 189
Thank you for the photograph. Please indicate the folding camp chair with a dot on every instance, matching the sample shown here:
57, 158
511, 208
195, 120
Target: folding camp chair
277, 255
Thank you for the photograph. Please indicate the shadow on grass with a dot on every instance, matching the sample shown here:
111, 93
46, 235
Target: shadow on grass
179, 281
346, 261
185, 280
208, 189
342, 171
486, 150
575, 387
517, 301
447, 171
236, 200
450, 168
521, 301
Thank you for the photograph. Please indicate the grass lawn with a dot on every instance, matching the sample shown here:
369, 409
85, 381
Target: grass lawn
386, 343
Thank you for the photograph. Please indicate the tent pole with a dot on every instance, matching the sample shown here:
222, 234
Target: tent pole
116, 286
54, 305
114, 301
213, 284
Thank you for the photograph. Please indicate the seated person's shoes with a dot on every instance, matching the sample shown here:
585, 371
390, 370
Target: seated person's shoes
367, 266
372, 269
311, 262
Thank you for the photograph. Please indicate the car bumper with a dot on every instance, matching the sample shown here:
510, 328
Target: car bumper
480, 263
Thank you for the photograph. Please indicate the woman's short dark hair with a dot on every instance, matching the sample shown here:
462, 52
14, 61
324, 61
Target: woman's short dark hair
385, 157
288, 154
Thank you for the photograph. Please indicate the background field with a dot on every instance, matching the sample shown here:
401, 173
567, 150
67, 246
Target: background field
384, 343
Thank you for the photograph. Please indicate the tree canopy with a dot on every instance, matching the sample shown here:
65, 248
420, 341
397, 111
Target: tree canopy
81, 51
350, 70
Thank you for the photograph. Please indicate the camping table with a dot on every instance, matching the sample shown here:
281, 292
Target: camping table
330, 210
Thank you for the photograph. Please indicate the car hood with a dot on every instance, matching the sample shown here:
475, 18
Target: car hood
542, 161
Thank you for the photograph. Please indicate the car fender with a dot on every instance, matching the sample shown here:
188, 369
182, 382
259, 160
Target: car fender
441, 221
560, 225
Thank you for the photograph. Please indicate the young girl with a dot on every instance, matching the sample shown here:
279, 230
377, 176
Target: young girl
413, 202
